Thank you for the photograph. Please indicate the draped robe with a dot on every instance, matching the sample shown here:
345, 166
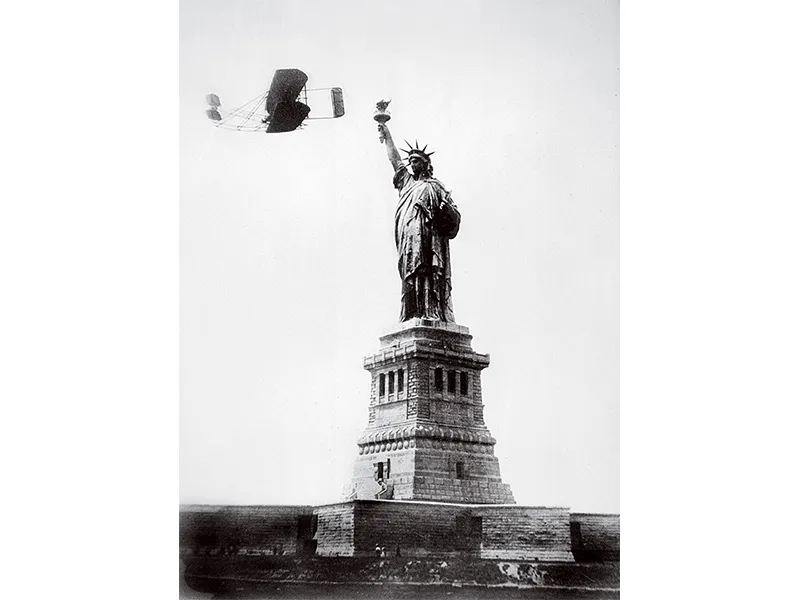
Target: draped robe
425, 221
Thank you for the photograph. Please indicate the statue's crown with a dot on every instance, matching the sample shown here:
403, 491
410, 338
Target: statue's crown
416, 151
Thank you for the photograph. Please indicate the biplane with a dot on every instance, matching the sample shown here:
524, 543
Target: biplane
283, 107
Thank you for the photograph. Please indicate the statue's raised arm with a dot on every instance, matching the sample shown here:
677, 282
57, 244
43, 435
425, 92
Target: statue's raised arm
385, 137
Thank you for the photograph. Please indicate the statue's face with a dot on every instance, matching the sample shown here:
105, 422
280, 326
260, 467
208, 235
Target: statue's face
417, 165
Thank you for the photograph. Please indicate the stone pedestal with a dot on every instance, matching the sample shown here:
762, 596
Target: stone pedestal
426, 438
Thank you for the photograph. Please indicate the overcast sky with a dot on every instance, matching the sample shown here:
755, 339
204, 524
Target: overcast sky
288, 266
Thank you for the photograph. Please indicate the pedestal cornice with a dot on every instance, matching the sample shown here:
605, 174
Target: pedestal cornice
427, 339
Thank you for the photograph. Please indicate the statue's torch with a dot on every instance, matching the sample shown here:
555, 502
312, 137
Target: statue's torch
381, 114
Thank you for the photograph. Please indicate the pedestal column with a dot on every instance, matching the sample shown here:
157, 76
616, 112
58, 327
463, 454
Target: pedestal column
426, 438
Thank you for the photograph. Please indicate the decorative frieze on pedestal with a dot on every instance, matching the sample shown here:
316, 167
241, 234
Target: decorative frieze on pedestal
426, 438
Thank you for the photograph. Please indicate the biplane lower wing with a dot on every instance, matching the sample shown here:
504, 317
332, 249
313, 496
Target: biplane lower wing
287, 116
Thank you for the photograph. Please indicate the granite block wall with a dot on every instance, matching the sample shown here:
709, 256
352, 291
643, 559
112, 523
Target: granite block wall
335, 529
424, 529
215, 530
595, 537
462, 473
526, 533
416, 529
398, 463
421, 529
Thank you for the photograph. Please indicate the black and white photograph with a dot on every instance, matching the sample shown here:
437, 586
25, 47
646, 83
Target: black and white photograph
443, 299
399, 299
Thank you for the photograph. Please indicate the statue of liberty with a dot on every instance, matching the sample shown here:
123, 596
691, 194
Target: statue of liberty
424, 223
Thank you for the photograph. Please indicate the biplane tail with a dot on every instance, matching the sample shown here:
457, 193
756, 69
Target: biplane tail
212, 113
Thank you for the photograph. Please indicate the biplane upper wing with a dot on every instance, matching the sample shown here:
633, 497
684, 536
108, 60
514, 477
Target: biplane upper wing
285, 87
